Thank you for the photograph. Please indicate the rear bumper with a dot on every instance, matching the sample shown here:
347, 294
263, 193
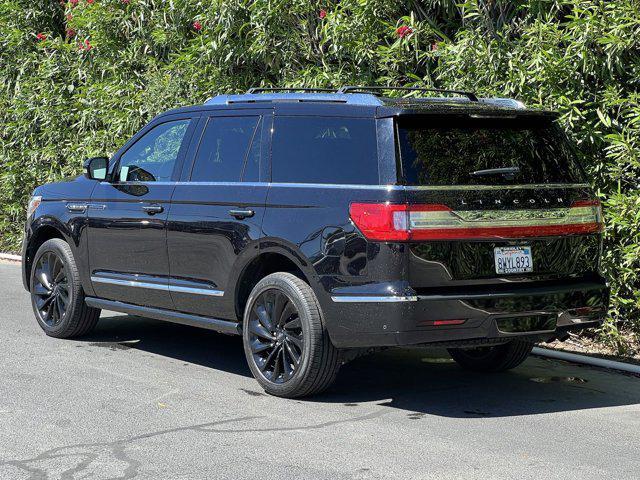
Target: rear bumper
374, 321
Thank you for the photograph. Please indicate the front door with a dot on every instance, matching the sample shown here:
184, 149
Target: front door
128, 215
216, 212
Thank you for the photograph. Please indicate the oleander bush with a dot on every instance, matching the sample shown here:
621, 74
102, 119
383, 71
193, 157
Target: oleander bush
77, 78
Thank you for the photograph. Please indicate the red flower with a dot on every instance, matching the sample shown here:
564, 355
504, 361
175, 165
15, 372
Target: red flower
41, 37
197, 26
69, 17
126, 2
404, 31
90, 2
322, 14
70, 33
86, 45
73, 3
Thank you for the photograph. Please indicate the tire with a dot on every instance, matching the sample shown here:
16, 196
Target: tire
272, 334
497, 358
54, 277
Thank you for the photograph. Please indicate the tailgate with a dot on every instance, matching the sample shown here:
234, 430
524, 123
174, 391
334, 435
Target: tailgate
494, 200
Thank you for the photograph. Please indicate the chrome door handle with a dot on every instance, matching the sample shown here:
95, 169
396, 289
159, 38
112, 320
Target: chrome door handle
240, 214
153, 209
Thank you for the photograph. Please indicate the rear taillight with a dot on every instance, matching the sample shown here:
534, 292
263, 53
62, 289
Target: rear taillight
403, 222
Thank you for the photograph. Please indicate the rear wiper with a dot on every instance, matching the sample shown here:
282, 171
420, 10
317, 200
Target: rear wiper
506, 172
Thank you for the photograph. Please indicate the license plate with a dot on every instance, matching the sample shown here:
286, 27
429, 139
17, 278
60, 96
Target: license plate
513, 259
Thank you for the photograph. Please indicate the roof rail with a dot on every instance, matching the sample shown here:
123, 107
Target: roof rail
373, 89
291, 89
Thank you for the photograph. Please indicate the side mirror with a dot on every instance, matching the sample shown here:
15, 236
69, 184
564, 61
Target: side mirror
96, 168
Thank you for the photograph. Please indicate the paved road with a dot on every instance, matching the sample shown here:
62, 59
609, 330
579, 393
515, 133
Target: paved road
145, 399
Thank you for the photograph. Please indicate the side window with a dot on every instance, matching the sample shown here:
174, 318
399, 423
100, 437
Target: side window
252, 164
223, 149
152, 157
330, 150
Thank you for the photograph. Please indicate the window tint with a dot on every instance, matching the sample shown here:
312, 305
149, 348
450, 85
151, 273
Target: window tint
223, 149
458, 151
152, 157
325, 150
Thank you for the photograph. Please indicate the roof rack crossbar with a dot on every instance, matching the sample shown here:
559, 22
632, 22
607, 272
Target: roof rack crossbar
290, 89
372, 89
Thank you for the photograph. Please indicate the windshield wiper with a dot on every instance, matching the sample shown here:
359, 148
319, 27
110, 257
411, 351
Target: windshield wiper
507, 172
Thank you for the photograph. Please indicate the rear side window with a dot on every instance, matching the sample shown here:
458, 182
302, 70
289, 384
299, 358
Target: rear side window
223, 149
328, 150
462, 151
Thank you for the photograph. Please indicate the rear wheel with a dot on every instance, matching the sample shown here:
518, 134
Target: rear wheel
56, 294
496, 358
286, 344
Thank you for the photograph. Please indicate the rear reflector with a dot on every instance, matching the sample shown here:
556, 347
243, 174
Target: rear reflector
440, 323
403, 222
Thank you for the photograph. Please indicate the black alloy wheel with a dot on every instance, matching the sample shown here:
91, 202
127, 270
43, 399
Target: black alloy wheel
57, 295
286, 342
51, 288
275, 335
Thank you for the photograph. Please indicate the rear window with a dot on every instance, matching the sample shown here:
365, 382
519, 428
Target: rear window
462, 151
328, 150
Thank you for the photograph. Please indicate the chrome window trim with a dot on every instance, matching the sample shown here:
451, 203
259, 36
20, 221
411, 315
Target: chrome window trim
373, 187
372, 299
157, 286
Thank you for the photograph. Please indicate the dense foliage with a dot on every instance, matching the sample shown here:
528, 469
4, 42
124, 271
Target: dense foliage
78, 77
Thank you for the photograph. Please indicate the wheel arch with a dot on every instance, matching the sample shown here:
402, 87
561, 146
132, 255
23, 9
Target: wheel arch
42, 230
272, 257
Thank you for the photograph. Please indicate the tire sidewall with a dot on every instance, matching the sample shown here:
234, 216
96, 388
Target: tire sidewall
280, 282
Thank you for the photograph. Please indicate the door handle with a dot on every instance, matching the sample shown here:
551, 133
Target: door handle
153, 209
240, 214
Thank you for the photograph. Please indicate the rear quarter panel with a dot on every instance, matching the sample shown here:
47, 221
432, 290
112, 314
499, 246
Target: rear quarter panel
311, 224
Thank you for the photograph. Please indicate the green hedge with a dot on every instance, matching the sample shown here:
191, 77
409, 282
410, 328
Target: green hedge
78, 78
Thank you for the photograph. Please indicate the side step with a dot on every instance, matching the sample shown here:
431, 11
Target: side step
222, 326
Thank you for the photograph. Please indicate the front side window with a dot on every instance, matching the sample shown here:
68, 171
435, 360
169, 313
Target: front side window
153, 157
330, 150
224, 147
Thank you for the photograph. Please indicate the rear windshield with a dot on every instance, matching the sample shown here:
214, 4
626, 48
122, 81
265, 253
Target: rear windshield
466, 151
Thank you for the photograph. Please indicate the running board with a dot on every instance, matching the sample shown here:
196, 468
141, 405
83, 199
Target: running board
222, 326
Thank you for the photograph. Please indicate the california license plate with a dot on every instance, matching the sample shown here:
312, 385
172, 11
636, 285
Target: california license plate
513, 259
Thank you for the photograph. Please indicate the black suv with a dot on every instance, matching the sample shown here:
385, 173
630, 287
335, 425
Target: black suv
322, 224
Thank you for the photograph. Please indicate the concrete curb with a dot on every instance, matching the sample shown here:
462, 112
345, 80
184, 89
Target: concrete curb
10, 257
586, 360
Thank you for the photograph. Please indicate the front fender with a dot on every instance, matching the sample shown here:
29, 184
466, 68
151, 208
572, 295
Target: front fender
53, 220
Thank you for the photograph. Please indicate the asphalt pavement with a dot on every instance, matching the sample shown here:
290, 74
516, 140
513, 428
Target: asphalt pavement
151, 400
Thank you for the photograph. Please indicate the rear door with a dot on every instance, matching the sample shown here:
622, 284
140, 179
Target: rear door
495, 200
217, 209
128, 215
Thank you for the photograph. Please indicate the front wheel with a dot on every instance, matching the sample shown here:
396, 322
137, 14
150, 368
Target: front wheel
56, 294
497, 358
286, 344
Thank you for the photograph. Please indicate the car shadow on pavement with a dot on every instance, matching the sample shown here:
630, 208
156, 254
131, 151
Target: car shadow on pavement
425, 381
181, 342
418, 381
